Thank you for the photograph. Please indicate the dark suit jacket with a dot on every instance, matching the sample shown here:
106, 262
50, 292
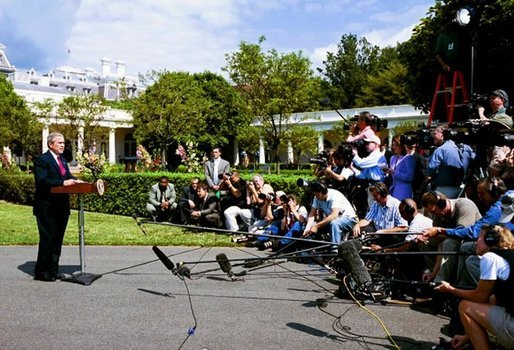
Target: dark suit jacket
48, 175
209, 206
188, 194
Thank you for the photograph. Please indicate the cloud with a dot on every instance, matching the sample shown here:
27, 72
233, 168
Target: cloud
178, 35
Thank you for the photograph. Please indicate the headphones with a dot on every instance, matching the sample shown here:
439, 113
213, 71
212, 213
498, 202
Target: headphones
495, 186
491, 236
318, 187
439, 201
407, 208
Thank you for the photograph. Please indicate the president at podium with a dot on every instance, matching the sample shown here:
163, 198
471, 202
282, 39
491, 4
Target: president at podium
51, 210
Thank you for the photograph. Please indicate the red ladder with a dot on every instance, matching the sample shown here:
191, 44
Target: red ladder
450, 95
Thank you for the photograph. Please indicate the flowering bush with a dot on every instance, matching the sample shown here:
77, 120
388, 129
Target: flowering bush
92, 164
143, 158
190, 157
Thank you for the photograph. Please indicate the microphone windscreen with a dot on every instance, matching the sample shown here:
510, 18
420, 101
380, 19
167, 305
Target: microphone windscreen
134, 216
183, 270
163, 258
224, 263
352, 262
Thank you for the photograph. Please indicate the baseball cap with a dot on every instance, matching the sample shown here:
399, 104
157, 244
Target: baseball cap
507, 205
373, 138
503, 95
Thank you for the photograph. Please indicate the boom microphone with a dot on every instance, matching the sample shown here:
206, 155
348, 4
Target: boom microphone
224, 264
134, 216
164, 259
349, 254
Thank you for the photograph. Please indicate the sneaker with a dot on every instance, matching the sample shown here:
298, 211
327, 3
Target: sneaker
264, 245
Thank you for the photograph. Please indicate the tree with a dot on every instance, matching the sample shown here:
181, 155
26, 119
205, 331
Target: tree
388, 87
19, 128
493, 36
346, 70
170, 111
225, 116
82, 111
304, 140
274, 85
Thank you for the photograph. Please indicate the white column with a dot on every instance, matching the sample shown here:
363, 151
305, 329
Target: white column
290, 154
44, 135
236, 152
262, 155
112, 146
80, 140
321, 145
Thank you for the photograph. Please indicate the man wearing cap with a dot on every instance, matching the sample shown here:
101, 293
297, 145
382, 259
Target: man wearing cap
368, 170
364, 126
499, 101
448, 165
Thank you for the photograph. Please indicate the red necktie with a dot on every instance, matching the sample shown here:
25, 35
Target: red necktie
62, 169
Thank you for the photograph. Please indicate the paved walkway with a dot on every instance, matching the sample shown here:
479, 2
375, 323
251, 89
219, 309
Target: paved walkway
146, 307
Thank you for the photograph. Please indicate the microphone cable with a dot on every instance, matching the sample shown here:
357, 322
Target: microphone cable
192, 330
381, 323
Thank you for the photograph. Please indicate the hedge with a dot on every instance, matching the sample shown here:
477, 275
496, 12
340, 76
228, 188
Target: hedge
127, 192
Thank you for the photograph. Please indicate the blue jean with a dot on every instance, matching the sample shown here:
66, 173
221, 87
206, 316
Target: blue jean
341, 227
295, 231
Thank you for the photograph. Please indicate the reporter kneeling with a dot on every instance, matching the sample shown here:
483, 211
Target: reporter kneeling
490, 307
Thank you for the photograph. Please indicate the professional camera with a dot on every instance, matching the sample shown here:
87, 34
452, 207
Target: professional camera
222, 176
321, 159
272, 197
376, 123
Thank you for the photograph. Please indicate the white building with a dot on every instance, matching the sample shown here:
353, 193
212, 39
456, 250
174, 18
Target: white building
65, 81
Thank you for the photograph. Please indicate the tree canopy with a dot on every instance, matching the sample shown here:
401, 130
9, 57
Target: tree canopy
274, 86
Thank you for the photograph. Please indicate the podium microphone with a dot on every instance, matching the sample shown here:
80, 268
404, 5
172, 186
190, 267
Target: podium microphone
165, 260
134, 216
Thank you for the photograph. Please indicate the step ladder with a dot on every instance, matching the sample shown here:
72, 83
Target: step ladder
449, 94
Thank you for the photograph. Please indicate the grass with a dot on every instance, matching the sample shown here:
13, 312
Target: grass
18, 227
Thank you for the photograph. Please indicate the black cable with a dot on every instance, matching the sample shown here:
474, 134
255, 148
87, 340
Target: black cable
191, 331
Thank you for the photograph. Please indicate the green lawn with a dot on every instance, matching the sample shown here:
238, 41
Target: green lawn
18, 227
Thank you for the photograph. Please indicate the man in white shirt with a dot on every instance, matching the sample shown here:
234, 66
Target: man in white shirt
214, 169
339, 215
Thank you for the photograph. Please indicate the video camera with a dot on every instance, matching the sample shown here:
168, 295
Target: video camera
321, 159
272, 197
375, 123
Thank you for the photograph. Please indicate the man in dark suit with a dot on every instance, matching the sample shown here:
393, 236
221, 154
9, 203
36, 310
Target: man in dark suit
186, 202
207, 208
214, 169
51, 210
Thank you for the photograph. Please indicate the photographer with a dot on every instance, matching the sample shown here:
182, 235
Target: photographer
448, 165
498, 101
236, 191
254, 204
362, 129
338, 176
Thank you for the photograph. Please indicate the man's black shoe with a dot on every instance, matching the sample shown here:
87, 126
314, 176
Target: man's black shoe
44, 277
60, 276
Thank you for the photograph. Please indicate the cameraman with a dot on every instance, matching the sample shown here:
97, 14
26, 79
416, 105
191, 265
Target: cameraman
498, 101
339, 175
448, 165
362, 129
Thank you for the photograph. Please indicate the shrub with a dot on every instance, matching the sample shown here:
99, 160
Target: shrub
127, 192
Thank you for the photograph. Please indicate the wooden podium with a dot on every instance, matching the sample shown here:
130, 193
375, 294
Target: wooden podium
80, 189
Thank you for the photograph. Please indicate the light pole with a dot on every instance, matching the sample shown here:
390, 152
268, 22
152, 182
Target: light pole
465, 17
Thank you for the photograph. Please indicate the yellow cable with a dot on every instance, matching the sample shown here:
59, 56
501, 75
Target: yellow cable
372, 314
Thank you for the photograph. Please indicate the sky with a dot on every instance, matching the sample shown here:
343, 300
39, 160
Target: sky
191, 35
